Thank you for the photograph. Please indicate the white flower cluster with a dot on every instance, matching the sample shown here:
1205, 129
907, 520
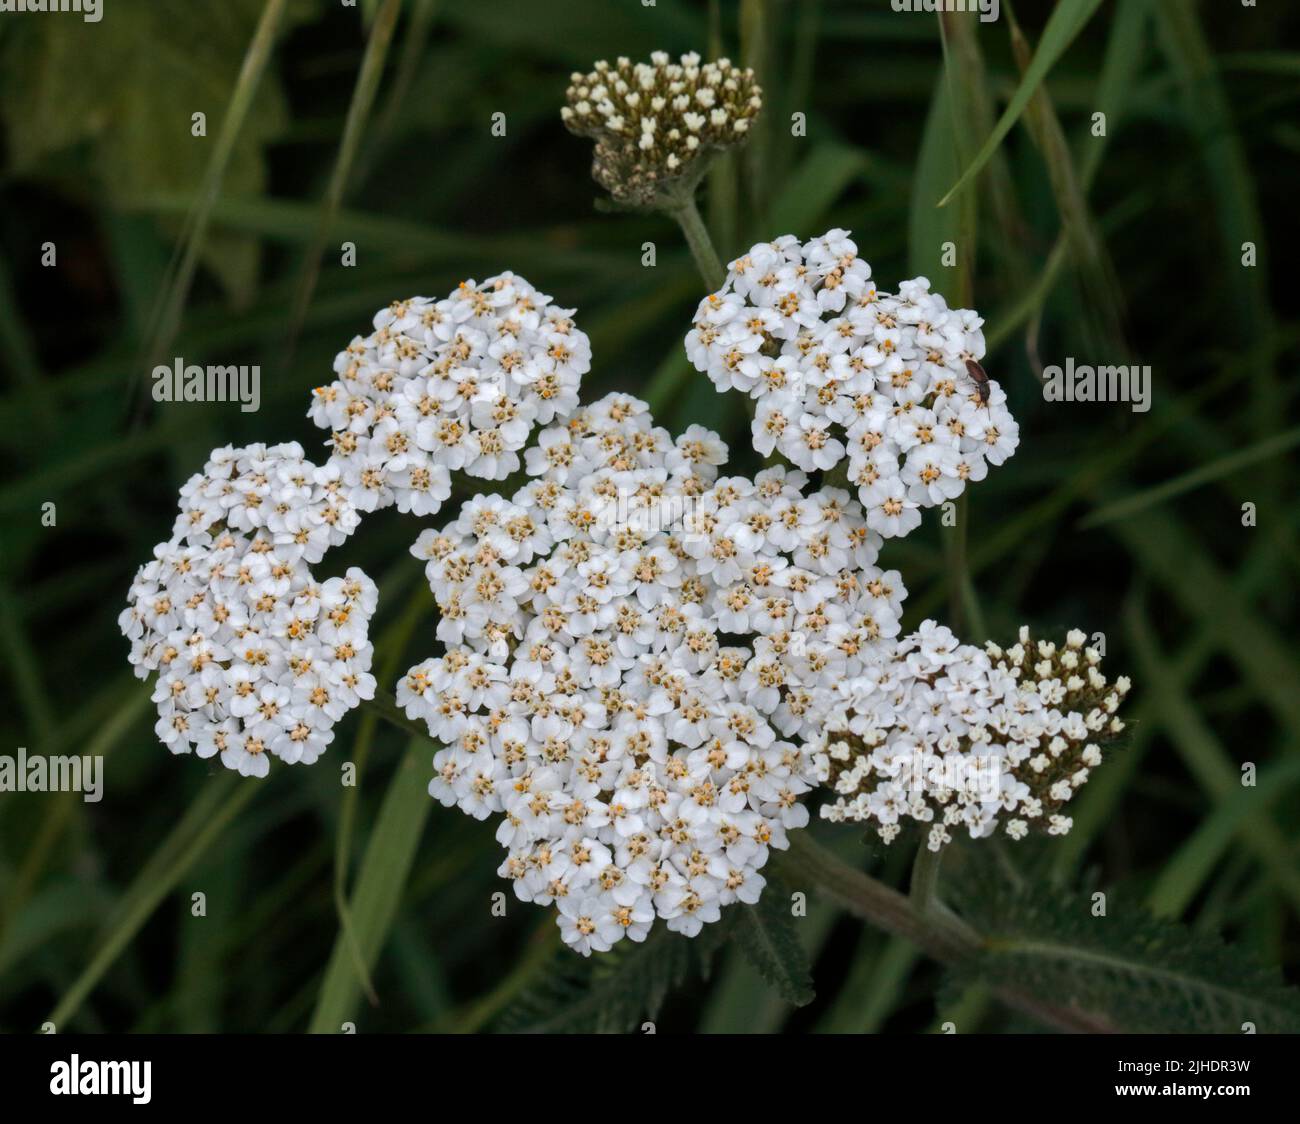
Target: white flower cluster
633, 647
441, 386
952, 735
255, 658
652, 122
839, 369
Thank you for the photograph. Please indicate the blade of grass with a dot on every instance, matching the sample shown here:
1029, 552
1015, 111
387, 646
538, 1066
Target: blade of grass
755, 52
108, 732
378, 892
537, 956
1119, 68
1096, 807
1086, 249
973, 105
1006, 536
1182, 569
25, 670
21, 353
962, 79
873, 986
966, 1013
363, 99
220, 802
1208, 115
1066, 21
1214, 470
414, 42
797, 89
815, 184
930, 227
172, 298
290, 222
1192, 864
1204, 757
392, 644
724, 173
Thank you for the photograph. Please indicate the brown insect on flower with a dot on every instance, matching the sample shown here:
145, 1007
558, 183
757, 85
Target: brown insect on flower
981, 378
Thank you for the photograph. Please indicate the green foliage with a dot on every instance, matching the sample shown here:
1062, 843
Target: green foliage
615, 992
1126, 970
1120, 523
380, 883
768, 935
1067, 20
126, 88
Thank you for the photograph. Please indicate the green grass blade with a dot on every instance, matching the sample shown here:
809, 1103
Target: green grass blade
928, 226
1215, 470
811, 189
24, 669
1174, 559
414, 41
108, 731
220, 802
1231, 188
378, 892
1206, 759
363, 100
873, 988
392, 644
1086, 250
1192, 864
1067, 20
1096, 807
172, 303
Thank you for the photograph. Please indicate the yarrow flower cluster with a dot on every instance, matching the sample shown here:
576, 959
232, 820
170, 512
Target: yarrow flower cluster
953, 736
448, 385
254, 657
653, 122
633, 649
840, 370
646, 665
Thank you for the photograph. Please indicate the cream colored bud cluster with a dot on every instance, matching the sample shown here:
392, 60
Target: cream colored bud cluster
950, 735
652, 122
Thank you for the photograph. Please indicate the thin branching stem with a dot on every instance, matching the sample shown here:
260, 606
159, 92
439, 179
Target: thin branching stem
697, 238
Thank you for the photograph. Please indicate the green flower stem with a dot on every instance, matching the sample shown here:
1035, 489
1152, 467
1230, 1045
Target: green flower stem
939, 933
955, 542
697, 238
925, 879
385, 706
944, 936
682, 207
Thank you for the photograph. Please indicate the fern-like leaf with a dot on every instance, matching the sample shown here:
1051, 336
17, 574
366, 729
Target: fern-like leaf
614, 992
1126, 971
767, 935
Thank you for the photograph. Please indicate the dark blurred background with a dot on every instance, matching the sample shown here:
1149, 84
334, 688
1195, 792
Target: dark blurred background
372, 125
